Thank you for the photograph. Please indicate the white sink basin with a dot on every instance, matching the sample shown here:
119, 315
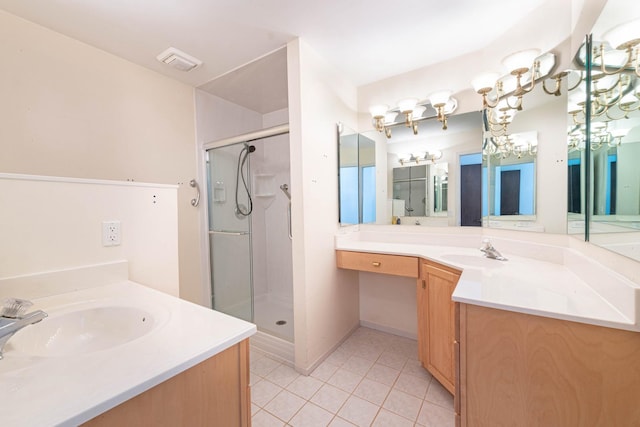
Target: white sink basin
83, 330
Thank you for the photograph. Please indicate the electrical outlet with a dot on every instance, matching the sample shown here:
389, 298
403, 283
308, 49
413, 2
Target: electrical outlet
111, 233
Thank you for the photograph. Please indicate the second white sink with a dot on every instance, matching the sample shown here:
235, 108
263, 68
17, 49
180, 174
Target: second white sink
83, 330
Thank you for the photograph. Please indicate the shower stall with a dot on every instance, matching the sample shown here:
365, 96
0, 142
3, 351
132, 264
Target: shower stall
250, 236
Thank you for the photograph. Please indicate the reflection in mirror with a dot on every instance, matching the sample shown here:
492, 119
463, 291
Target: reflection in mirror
576, 156
511, 176
426, 167
420, 190
356, 177
614, 212
517, 143
440, 174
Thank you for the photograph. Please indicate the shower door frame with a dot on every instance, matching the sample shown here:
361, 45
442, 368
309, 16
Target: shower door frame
204, 212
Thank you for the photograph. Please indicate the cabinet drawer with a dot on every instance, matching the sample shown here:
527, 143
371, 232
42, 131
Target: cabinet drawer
397, 265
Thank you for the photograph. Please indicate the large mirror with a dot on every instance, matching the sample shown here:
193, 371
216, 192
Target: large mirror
356, 177
613, 216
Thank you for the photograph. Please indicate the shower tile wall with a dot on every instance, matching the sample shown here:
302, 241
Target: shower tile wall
272, 267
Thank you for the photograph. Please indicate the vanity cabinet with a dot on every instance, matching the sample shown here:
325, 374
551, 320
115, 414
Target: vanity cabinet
397, 265
436, 310
526, 370
436, 321
213, 392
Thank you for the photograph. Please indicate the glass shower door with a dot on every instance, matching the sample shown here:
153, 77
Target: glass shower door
229, 233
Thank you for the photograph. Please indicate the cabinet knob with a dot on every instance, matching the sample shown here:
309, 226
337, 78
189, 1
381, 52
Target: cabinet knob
376, 263
424, 285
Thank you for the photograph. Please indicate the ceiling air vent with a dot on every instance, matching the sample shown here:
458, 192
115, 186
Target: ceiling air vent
178, 59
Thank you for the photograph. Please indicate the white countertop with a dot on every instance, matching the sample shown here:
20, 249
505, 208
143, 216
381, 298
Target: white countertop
539, 278
44, 391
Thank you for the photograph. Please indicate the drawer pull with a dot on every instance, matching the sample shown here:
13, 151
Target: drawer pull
376, 263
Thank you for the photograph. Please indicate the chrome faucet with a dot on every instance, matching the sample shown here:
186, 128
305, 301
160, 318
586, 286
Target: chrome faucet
12, 318
490, 251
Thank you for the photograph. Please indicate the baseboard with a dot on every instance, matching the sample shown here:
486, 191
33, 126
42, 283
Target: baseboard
389, 330
314, 365
276, 348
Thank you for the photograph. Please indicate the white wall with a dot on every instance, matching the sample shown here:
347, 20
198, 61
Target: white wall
388, 303
49, 225
217, 118
325, 298
70, 109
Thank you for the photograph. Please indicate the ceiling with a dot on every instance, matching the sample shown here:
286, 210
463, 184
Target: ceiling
368, 40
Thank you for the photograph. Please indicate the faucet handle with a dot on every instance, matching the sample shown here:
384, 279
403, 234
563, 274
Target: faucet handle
14, 307
486, 245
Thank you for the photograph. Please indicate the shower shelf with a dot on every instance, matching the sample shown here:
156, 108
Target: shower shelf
264, 184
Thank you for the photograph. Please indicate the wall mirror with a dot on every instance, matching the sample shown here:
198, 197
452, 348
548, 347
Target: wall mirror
356, 177
613, 176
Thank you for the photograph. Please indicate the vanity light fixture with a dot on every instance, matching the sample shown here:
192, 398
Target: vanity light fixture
517, 145
518, 65
613, 97
378, 113
624, 39
502, 96
417, 158
412, 111
439, 101
601, 136
406, 107
498, 118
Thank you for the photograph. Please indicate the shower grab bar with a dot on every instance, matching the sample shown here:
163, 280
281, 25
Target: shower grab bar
229, 233
195, 202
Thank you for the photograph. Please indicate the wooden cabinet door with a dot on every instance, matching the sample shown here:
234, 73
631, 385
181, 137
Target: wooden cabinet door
436, 327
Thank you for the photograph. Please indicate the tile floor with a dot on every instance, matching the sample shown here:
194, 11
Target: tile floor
372, 379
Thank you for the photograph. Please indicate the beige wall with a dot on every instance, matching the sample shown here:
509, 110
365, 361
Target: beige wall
325, 298
55, 224
69, 109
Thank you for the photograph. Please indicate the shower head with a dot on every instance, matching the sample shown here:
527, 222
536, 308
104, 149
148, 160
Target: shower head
251, 148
